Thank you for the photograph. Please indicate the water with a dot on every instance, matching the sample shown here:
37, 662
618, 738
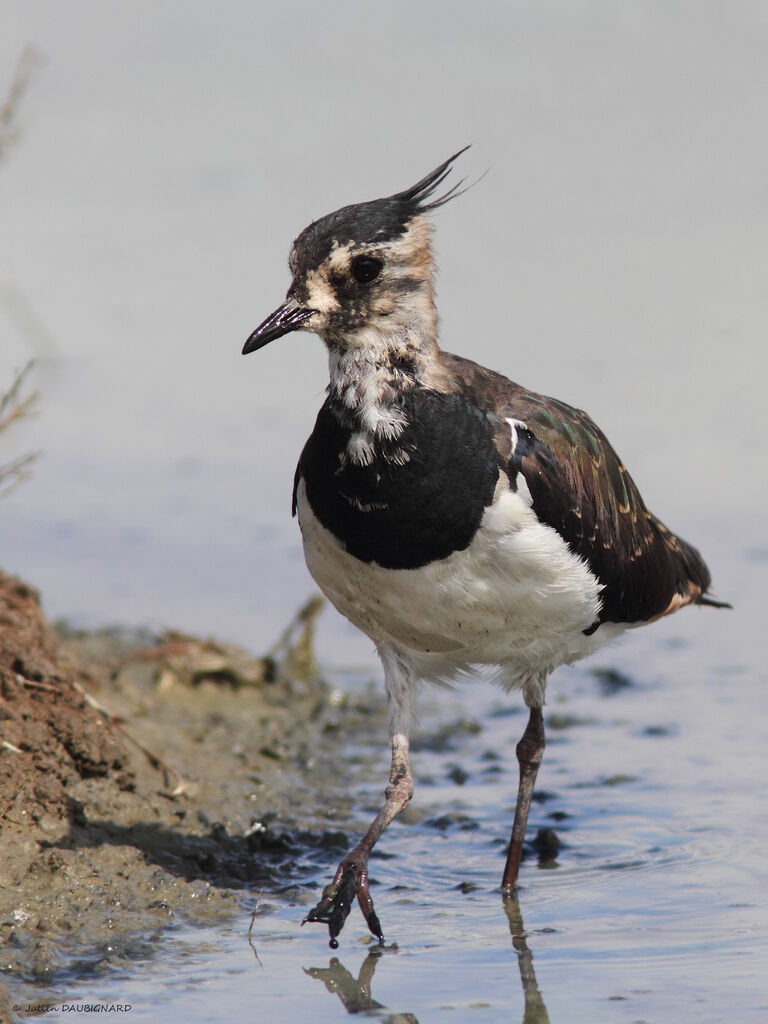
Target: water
655, 909
614, 255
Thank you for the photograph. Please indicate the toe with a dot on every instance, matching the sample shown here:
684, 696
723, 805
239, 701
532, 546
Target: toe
333, 909
366, 905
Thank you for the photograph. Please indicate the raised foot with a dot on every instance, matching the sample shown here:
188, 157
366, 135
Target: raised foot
350, 881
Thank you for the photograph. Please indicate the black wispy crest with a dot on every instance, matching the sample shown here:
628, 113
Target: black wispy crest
417, 195
377, 221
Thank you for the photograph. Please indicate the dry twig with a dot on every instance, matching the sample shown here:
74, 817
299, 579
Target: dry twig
9, 109
14, 407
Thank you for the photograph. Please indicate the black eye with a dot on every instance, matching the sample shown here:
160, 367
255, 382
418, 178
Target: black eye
366, 268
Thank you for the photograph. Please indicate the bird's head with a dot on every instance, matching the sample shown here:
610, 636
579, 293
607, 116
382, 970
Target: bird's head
363, 275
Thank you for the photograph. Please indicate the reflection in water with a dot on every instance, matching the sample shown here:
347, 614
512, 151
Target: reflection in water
355, 993
535, 1011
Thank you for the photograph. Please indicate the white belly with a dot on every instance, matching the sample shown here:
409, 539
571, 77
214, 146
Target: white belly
516, 598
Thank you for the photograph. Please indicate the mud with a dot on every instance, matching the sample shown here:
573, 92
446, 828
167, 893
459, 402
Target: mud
146, 781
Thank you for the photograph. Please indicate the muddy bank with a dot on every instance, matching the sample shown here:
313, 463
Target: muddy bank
144, 780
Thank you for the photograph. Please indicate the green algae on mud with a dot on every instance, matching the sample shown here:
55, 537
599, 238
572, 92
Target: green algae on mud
146, 781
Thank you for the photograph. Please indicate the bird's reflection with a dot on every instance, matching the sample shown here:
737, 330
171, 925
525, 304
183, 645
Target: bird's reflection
535, 1012
355, 993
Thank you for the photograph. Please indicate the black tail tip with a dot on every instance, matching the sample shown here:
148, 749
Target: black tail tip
710, 602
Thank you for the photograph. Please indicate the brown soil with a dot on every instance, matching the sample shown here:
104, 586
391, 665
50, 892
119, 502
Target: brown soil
143, 779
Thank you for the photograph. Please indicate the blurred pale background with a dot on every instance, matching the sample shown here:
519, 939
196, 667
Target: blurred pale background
614, 255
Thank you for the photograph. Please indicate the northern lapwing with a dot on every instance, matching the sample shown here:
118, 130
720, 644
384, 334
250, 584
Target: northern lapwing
457, 518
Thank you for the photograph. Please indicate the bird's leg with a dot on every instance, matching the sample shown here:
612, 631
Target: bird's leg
530, 751
351, 878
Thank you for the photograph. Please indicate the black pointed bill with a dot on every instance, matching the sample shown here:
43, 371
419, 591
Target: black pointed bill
287, 318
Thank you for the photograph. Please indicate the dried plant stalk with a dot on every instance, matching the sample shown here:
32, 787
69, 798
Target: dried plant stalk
9, 109
13, 406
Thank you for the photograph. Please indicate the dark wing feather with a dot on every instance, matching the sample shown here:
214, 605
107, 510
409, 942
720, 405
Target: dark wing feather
581, 488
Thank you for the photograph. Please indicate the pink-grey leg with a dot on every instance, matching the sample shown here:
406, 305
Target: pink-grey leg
351, 878
530, 751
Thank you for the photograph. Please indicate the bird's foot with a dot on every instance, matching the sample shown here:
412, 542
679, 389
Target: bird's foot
350, 881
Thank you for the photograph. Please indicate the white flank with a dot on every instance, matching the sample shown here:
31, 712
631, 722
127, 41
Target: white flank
517, 599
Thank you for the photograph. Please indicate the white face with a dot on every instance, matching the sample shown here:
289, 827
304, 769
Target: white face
361, 290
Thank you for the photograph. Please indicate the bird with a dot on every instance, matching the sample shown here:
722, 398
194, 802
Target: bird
459, 519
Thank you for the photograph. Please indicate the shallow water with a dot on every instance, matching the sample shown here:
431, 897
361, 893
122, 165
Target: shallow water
653, 909
614, 255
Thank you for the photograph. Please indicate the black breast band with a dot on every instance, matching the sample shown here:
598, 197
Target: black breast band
423, 495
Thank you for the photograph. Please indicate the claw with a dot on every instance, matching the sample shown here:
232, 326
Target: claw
366, 905
333, 909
